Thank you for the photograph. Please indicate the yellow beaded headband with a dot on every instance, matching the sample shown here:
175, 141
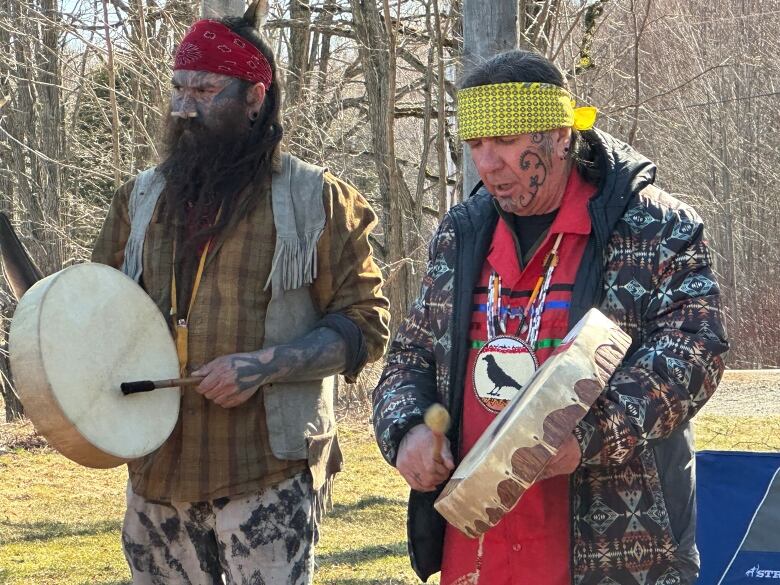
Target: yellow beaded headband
506, 109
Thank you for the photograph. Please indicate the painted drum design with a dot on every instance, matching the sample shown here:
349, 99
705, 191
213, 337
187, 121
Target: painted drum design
512, 452
501, 371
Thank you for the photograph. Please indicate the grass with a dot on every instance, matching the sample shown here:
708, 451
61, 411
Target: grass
60, 523
757, 433
364, 537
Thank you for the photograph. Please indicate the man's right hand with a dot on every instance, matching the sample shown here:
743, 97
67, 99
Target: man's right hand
415, 460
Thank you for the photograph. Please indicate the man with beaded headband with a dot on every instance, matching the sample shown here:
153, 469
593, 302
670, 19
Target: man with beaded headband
566, 218
261, 264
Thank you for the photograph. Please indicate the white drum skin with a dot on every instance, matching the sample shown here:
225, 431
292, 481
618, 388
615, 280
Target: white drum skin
75, 337
511, 453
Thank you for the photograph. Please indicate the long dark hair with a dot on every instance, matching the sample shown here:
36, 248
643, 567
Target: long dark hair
267, 131
520, 66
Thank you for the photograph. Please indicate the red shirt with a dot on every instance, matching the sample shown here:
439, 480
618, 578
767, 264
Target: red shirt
530, 545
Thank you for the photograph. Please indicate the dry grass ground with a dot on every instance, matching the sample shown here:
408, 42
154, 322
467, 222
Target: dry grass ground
60, 523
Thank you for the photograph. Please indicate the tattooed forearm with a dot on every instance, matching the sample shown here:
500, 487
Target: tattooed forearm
319, 354
250, 371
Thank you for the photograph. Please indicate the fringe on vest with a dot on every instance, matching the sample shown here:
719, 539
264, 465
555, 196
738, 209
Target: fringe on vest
143, 200
323, 500
298, 257
131, 264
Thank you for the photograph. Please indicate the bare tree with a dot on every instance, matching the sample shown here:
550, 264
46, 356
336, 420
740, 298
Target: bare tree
219, 8
377, 35
489, 28
33, 138
371, 90
699, 101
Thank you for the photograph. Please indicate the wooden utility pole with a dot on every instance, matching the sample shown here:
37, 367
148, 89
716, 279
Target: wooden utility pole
220, 8
489, 28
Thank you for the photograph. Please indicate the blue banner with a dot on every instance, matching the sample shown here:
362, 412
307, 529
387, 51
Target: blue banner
738, 529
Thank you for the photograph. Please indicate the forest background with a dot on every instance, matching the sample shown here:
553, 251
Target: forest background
370, 92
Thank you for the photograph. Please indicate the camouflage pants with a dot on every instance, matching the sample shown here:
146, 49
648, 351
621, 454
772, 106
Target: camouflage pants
266, 538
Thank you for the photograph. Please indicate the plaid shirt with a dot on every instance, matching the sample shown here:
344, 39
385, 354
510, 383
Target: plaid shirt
215, 452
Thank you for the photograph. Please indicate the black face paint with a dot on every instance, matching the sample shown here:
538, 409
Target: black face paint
204, 95
232, 91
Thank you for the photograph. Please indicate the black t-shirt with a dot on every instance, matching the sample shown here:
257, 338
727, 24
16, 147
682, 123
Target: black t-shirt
529, 231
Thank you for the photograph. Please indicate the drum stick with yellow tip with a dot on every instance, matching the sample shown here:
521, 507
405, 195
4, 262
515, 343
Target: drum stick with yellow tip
149, 385
438, 420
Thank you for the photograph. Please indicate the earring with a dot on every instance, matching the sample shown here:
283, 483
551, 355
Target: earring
254, 116
565, 153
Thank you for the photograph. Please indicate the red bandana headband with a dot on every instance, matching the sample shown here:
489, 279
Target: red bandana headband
211, 46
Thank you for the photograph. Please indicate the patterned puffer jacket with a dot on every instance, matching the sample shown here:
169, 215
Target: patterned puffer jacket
648, 268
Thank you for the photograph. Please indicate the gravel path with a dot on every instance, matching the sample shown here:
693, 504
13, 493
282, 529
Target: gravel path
746, 393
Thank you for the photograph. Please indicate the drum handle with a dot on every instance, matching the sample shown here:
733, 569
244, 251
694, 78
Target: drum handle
438, 420
149, 385
438, 441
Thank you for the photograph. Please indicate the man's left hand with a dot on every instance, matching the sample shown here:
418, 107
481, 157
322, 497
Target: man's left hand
233, 379
565, 461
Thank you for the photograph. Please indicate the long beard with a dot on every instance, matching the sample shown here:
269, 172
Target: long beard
206, 168
201, 163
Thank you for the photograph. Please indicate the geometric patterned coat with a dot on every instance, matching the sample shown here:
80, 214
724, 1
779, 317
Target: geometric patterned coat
648, 268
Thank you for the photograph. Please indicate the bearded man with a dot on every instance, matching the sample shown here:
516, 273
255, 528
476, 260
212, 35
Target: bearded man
616, 504
262, 265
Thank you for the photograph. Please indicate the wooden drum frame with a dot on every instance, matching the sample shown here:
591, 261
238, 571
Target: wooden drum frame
75, 336
511, 454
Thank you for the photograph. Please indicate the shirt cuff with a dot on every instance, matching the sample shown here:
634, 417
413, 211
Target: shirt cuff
357, 352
